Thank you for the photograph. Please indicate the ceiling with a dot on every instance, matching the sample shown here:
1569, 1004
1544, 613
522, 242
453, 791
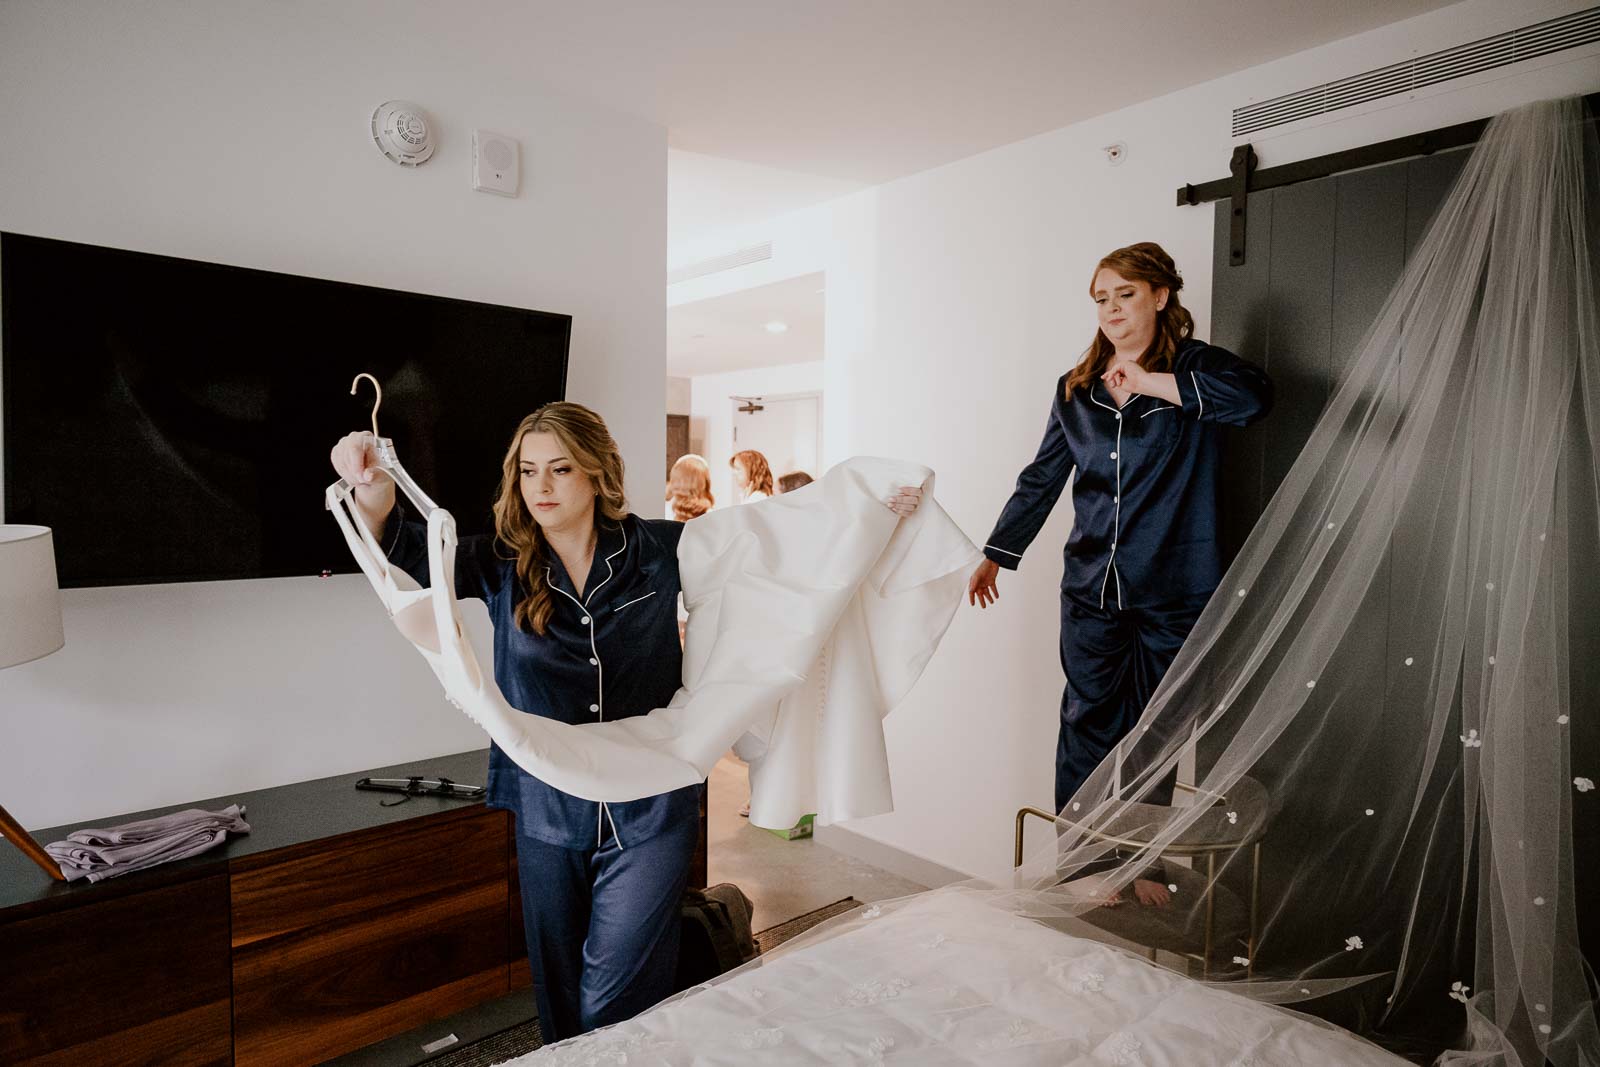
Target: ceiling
707, 193
772, 106
727, 333
865, 92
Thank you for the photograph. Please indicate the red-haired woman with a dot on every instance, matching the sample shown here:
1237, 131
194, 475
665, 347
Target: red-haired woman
689, 488
1139, 419
752, 475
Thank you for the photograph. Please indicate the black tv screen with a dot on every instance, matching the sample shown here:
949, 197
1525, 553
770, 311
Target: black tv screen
171, 420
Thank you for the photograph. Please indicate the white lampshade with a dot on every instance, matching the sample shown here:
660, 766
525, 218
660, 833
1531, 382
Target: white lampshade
30, 603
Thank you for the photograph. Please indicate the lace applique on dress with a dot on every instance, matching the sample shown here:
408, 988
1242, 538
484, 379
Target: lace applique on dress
768, 1037
602, 1049
1013, 1035
866, 994
1124, 1048
878, 1048
1080, 981
1089, 982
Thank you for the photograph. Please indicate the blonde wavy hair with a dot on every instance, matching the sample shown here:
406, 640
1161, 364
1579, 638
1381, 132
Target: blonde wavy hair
1144, 262
591, 448
689, 487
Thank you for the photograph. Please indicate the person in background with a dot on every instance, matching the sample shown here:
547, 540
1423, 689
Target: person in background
752, 476
1140, 420
788, 483
689, 488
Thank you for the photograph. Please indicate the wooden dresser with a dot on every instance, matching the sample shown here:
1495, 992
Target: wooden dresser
335, 923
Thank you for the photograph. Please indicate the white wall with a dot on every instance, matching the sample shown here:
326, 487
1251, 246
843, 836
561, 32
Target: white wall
238, 134
711, 422
956, 297
678, 393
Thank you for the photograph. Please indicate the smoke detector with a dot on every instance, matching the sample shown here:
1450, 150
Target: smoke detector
401, 132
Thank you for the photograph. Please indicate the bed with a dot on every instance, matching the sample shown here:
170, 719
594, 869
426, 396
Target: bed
947, 978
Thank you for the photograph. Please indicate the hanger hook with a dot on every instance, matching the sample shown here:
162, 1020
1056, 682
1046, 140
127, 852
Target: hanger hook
377, 401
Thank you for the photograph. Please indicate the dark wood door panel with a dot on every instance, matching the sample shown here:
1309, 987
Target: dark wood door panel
292, 1041
325, 990
344, 879
677, 439
139, 979
195, 1038
368, 936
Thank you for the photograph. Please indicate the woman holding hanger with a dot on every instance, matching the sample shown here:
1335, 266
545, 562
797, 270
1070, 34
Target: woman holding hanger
583, 596
1139, 419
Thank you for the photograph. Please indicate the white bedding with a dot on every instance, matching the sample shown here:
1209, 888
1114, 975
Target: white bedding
945, 979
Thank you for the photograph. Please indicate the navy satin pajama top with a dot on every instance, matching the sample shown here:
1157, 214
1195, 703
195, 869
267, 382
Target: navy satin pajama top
610, 654
1146, 496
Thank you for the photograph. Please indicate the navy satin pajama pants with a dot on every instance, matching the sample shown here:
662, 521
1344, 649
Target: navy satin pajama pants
1114, 659
603, 926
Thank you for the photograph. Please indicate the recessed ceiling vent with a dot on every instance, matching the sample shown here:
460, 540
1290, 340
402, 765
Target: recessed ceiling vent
716, 264
1502, 50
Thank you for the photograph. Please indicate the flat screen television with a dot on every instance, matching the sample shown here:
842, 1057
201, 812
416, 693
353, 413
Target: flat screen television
171, 420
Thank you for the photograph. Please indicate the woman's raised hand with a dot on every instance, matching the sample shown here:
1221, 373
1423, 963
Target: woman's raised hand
355, 457
1126, 375
981, 589
906, 500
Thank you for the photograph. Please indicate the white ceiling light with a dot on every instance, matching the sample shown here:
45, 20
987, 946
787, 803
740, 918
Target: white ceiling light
401, 132
777, 327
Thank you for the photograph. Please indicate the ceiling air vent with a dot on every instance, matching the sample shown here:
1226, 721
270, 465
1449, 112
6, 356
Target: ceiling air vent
742, 258
1514, 46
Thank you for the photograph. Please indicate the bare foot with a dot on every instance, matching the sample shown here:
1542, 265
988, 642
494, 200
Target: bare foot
1093, 889
1151, 894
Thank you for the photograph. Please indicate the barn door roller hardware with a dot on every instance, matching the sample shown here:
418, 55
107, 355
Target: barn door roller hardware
1242, 166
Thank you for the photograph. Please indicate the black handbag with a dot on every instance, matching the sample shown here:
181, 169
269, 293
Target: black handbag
716, 934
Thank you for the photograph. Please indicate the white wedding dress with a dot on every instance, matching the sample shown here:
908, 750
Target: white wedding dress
782, 597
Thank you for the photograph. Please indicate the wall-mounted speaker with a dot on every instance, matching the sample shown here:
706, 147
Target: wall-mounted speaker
495, 164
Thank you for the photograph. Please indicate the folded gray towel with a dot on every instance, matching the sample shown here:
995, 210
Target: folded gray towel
98, 854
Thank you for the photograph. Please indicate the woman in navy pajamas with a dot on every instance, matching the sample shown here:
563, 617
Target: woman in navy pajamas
1138, 420
583, 596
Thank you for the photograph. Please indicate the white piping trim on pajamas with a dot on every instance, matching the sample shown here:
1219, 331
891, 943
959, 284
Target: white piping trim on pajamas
636, 600
1198, 396
1007, 551
1158, 407
1116, 520
604, 812
1108, 407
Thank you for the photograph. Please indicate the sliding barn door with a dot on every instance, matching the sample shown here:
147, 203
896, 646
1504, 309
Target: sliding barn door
1321, 257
